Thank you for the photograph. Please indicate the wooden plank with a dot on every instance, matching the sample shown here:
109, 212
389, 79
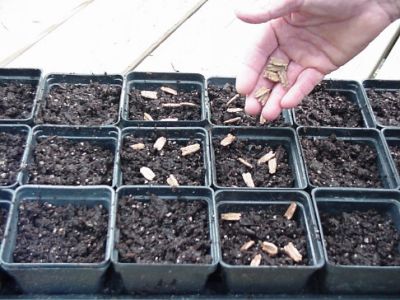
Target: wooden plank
105, 37
390, 69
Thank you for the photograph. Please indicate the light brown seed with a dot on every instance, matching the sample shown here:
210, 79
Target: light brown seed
273, 68
272, 164
246, 246
234, 110
248, 179
172, 181
179, 104
147, 173
245, 162
278, 62
160, 143
269, 248
292, 252
169, 90
190, 149
290, 211
262, 95
232, 99
233, 120
147, 117
256, 261
231, 216
283, 78
266, 157
138, 146
273, 76
262, 120
229, 139
149, 94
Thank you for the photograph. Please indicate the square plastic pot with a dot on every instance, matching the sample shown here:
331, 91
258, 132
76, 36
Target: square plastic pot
392, 138
174, 133
58, 278
388, 85
220, 82
162, 278
150, 81
371, 137
105, 136
354, 92
27, 76
263, 279
358, 279
18, 129
271, 136
79, 79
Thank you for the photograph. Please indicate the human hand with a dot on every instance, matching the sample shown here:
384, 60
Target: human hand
315, 37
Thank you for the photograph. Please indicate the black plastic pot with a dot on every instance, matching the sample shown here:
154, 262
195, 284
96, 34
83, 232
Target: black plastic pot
58, 278
360, 279
354, 91
387, 85
25, 131
220, 82
106, 136
371, 137
271, 136
161, 278
26, 76
56, 79
175, 133
151, 81
271, 279
392, 138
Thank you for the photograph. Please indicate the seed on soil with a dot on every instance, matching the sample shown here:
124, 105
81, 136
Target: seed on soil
229, 139
169, 90
160, 143
256, 261
245, 162
292, 252
290, 211
247, 245
174, 105
248, 179
270, 248
237, 96
149, 94
262, 95
147, 173
233, 120
190, 149
262, 120
147, 117
234, 110
266, 158
272, 164
231, 216
172, 181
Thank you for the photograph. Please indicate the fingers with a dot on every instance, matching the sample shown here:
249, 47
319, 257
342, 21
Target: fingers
263, 11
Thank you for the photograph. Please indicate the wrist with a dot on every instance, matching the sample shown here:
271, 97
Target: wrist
391, 7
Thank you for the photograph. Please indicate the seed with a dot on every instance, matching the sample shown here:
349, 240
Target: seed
149, 94
169, 90
234, 110
172, 181
292, 252
272, 164
147, 173
179, 104
283, 78
247, 246
231, 216
278, 62
147, 117
262, 95
160, 143
273, 76
190, 149
262, 120
269, 248
138, 146
256, 261
232, 99
266, 157
233, 120
245, 162
290, 211
229, 139
248, 179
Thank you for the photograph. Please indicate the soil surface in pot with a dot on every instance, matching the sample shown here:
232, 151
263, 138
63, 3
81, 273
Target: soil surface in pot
395, 152
3, 220
337, 163
91, 104
324, 107
185, 106
222, 111
16, 99
261, 224
229, 169
188, 169
48, 233
57, 160
163, 231
386, 106
12, 147
361, 238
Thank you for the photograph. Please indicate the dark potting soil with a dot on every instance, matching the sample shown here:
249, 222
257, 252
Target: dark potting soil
12, 147
81, 104
337, 163
395, 152
262, 224
361, 238
3, 220
49, 233
139, 105
58, 160
188, 170
325, 107
386, 106
16, 99
219, 98
163, 231
229, 170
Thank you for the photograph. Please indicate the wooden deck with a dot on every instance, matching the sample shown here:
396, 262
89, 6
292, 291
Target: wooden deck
203, 36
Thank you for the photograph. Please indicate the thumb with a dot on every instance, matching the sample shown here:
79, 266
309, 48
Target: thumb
263, 11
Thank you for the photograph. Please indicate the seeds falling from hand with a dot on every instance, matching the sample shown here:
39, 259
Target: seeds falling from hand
147, 173
276, 71
160, 143
190, 149
262, 120
290, 211
229, 139
262, 95
231, 216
